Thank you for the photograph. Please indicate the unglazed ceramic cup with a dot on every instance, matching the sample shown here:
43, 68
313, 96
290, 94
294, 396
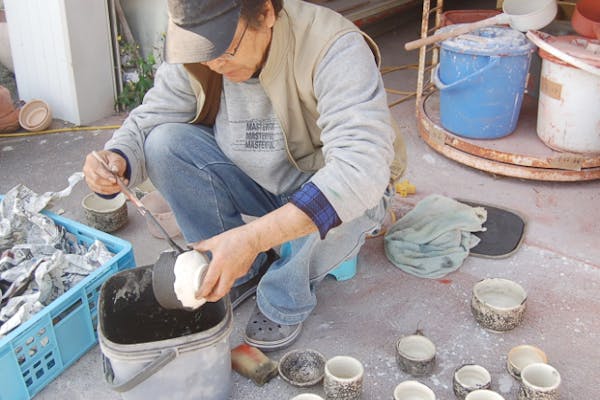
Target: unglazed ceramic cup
415, 355
307, 396
498, 304
468, 378
343, 378
483, 394
413, 390
539, 381
521, 356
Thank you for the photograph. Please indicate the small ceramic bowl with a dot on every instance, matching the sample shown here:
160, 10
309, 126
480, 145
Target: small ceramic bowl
106, 215
159, 208
413, 390
468, 378
35, 115
415, 354
539, 381
483, 394
302, 368
521, 356
498, 304
307, 396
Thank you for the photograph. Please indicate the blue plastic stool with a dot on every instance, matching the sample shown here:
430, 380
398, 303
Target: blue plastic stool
342, 272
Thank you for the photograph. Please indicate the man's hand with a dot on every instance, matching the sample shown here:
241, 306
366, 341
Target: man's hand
233, 253
98, 178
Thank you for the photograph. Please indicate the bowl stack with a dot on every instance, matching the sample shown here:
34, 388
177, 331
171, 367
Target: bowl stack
35, 116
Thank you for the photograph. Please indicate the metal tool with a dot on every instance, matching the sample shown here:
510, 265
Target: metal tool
138, 204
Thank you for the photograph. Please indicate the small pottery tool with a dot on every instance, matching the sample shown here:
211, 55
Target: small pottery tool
252, 363
137, 203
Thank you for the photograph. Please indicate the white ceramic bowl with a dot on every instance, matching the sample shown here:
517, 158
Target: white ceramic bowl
468, 378
498, 304
484, 395
521, 356
413, 390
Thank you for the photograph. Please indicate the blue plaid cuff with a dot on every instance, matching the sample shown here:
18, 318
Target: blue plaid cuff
312, 202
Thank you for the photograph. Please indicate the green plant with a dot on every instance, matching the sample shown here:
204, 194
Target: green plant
142, 79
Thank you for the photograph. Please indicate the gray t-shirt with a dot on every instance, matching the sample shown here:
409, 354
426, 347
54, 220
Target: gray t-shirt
248, 132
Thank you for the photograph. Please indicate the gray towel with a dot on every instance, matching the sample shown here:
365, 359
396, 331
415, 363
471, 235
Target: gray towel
435, 237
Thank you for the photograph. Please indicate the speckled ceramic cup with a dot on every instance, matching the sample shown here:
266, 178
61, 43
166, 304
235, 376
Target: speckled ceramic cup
415, 355
483, 394
539, 381
413, 390
521, 356
498, 304
468, 378
106, 215
343, 378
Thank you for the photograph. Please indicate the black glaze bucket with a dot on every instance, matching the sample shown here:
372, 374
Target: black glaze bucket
151, 352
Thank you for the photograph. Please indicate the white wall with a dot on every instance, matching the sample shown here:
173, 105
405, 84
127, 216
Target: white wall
62, 54
148, 21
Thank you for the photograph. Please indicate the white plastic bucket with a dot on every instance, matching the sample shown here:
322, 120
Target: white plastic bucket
568, 107
154, 353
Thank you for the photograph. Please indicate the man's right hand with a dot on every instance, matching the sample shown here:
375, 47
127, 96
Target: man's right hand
98, 178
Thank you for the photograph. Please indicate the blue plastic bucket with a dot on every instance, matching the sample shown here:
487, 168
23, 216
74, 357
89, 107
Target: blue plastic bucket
482, 77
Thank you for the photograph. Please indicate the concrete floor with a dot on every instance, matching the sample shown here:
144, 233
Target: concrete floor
557, 264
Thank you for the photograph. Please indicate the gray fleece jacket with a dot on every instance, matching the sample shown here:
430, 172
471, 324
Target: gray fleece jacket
357, 134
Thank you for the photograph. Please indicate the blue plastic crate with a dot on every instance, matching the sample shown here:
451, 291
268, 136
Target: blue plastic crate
39, 350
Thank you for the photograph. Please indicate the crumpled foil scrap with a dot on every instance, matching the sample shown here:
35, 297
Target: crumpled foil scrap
39, 260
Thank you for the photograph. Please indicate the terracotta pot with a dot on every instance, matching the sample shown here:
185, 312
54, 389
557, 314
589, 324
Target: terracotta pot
586, 18
35, 115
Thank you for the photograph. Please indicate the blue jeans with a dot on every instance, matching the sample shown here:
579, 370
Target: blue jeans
209, 194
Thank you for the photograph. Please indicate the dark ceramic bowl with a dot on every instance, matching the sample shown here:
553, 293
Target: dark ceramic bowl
302, 368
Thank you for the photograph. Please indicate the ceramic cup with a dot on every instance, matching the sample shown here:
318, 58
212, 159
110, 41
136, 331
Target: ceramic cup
521, 356
343, 378
539, 381
468, 378
307, 396
413, 390
498, 304
483, 394
106, 215
415, 355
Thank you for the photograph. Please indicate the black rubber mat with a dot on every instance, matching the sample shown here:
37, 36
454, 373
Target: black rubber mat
504, 232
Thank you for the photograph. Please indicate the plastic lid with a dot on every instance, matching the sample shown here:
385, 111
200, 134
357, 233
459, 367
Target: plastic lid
587, 50
488, 41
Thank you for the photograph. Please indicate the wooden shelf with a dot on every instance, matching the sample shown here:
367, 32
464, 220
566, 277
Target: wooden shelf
521, 154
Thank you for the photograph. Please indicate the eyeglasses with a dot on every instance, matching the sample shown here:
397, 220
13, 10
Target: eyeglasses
228, 55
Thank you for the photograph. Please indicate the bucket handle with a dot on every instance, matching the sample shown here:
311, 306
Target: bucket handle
156, 365
442, 86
